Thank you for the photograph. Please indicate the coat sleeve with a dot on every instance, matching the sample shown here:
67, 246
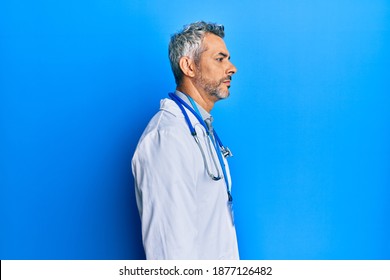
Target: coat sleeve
165, 182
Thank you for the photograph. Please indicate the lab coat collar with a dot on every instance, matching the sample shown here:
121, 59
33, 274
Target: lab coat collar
205, 115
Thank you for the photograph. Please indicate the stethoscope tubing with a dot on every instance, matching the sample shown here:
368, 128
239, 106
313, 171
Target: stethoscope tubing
222, 151
178, 101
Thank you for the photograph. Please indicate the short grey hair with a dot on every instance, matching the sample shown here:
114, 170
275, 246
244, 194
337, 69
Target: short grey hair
188, 42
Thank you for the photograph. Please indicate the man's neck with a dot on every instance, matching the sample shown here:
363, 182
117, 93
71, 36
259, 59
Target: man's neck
199, 98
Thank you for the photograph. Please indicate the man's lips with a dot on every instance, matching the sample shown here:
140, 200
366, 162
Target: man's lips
227, 81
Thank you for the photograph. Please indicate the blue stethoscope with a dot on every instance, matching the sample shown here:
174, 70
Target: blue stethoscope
220, 149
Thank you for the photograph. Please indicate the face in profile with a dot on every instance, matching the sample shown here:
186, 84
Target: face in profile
214, 69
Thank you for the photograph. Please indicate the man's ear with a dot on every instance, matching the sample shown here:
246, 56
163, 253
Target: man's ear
187, 65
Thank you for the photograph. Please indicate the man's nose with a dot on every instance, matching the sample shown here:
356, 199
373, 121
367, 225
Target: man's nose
231, 69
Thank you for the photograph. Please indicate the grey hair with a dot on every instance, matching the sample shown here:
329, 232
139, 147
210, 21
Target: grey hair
188, 42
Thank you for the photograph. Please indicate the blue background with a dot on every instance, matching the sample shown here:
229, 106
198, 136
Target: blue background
307, 121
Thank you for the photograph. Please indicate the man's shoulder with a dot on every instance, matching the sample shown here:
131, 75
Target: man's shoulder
168, 122
168, 118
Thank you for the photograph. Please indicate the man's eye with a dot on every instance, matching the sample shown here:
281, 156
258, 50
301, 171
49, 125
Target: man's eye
220, 59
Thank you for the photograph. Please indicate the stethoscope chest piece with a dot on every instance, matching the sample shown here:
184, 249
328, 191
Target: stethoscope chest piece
226, 152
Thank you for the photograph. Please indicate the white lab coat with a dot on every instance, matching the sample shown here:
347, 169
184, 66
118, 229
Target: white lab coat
184, 213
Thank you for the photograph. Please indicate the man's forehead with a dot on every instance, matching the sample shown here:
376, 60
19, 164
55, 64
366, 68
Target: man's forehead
215, 44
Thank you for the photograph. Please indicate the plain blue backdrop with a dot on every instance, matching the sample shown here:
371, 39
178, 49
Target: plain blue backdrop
307, 121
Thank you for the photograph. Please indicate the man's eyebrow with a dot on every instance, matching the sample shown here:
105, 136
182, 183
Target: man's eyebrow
224, 54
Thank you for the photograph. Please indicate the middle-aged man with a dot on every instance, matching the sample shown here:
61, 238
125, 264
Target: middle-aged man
182, 179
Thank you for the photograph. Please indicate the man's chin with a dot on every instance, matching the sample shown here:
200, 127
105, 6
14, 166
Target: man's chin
222, 95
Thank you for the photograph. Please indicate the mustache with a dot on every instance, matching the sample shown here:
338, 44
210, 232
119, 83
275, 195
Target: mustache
227, 78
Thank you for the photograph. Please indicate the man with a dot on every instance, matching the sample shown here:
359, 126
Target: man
181, 176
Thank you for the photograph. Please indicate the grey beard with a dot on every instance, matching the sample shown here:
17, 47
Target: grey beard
213, 89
